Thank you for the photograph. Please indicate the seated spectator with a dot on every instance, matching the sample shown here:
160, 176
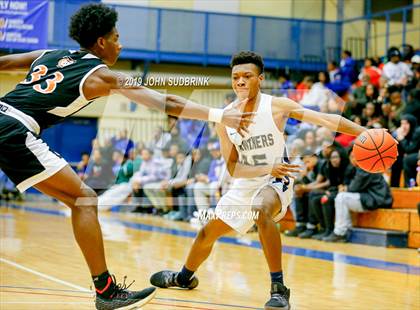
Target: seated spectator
312, 167
310, 141
169, 166
302, 88
160, 139
328, 146
149, 172
199, 167
175, 187
333, 72
348, 68
166, 167
99, 174
413, 104
322, 207
415, 81
408, 136
177, 139
317, 96
393, 112
371, 116
370, 95
284, 85
378, 62
122, 188
395, 72
357, 99
372, 71
297, 148
122, 143
365, 192
117, 161
82, 165
106, 149
207, 186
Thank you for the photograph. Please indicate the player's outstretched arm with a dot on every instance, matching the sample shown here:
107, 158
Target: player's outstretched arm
19, 61
333, 122
104, 81
238, 170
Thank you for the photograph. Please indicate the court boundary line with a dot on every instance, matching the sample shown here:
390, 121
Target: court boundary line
43, 275
297, 251
168, 299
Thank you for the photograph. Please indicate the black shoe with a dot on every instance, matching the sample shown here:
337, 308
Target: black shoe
167, 278
122, 297
295, 232
308, 233
323, 233
279, 298
335, 238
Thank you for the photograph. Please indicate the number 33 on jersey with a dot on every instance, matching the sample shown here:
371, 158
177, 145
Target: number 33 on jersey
53, 88
38, 73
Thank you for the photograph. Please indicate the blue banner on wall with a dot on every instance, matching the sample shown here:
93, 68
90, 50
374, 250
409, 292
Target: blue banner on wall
23, 24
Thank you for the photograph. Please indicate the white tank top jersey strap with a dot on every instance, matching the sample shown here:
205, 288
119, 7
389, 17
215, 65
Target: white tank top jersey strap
263, 145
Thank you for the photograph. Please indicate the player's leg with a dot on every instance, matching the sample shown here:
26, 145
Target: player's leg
67, 187
199, 252
268, 206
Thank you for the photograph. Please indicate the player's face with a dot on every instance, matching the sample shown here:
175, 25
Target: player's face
111, 47
246, 79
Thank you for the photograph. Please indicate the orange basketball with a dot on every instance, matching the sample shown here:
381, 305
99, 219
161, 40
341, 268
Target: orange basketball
375, 150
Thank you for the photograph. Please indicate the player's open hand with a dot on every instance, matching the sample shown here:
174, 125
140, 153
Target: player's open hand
236, 119
283, 169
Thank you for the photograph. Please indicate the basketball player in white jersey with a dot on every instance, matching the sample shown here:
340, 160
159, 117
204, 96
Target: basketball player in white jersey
263, 180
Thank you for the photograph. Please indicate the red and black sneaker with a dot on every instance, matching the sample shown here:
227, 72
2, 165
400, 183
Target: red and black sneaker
121, 296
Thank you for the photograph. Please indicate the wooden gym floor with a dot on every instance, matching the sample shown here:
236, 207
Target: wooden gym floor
41, 266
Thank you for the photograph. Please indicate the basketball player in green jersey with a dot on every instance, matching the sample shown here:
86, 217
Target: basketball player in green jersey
60, 83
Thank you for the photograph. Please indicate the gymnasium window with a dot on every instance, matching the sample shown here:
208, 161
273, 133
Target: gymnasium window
385, 5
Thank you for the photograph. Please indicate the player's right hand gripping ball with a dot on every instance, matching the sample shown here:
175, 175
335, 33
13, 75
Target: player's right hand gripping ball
375, 150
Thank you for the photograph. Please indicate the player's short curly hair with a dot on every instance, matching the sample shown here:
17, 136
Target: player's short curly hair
91, 22
247, 57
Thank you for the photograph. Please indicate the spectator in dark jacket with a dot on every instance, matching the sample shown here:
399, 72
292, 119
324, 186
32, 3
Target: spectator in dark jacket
408, 136
409, 146
335, 171
305, 185
99, 173
413, 104
366, 192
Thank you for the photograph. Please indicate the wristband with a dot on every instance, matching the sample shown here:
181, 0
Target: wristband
216, 115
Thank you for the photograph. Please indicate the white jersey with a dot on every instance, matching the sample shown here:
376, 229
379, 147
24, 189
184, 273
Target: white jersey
264, 144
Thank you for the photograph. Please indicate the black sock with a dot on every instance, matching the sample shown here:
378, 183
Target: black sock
104, 284
185, 275
277, 277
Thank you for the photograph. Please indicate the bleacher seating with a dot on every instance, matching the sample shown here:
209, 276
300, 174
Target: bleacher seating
396, 227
